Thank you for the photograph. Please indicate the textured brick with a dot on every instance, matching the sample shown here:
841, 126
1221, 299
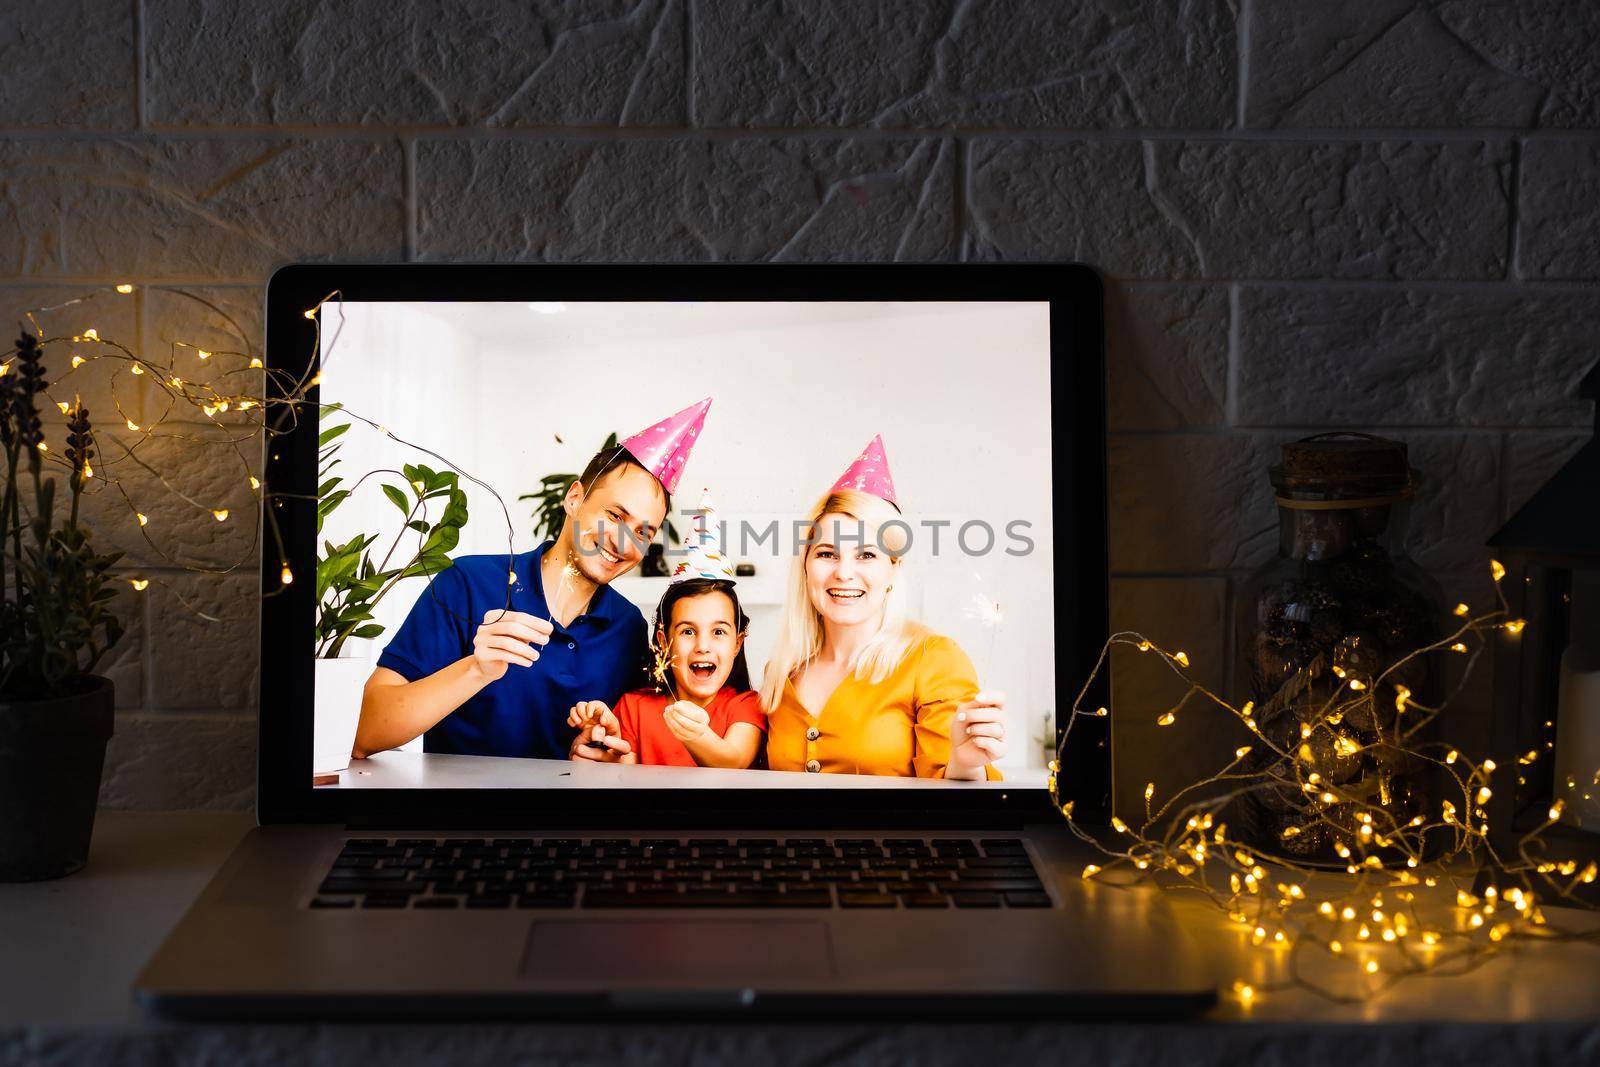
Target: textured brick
1166, 354
1455, 510
177, 474
1375, 210
373, 62
1245, 209
1198, 502
938, 62
226, 321
1456, 63
1076, 200
124, 664
1559, 210
1188, 614
1532, 459
170, 761
59, 313
1548, 43
1189, 502
215, 209
69, 66
745, 200
1381, 63
205, 633
1413, 357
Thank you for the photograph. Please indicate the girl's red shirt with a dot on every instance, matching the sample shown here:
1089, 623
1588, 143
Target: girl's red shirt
639, 714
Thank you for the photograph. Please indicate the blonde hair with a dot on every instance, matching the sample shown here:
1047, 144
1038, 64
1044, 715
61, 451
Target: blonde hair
800, 633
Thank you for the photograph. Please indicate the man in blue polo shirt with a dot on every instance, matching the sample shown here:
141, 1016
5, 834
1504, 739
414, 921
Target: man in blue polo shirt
498, 648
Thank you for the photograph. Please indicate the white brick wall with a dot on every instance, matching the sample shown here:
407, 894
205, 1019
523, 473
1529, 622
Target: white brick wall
1384, 216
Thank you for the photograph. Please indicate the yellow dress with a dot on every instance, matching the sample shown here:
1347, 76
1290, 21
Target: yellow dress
899, 726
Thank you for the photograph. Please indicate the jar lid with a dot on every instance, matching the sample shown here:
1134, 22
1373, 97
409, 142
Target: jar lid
1345, 463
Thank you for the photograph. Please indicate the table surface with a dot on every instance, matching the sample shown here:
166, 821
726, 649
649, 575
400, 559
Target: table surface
433, 770
73, 946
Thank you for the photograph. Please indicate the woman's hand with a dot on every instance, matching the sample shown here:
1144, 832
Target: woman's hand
687, 721
977, 736
600, 734
507, 637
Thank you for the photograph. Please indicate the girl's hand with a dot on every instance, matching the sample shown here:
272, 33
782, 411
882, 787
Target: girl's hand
600, 734
977, 736
591, 713
687, 721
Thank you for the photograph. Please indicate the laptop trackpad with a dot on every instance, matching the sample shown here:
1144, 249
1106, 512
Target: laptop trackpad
634, 949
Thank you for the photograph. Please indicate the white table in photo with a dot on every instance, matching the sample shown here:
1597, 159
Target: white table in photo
432, 770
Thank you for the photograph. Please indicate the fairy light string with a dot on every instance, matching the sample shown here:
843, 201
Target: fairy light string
237, 401
1350, 934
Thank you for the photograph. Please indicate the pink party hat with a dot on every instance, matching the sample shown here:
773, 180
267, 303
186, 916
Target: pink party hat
869, 473
664, 448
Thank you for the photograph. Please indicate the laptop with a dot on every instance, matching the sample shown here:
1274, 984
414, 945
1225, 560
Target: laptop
678, 639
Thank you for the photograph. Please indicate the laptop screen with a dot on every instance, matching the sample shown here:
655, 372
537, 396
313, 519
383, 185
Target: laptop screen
684, 544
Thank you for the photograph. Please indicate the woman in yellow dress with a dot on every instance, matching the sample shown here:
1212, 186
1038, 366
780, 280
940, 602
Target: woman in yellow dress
853, 686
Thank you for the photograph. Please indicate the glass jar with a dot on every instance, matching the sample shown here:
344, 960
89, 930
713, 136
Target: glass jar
1318, 628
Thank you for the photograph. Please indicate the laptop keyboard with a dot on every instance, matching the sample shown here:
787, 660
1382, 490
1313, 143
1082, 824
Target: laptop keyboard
456, 872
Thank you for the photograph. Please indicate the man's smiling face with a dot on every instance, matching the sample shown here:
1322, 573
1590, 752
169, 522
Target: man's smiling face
613, 522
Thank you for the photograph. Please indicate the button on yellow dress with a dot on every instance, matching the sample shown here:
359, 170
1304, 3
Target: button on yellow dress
900, 726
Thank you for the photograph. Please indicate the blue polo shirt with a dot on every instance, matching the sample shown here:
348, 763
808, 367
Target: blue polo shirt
599, 656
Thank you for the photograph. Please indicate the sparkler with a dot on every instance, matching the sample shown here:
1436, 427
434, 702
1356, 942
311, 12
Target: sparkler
989, 615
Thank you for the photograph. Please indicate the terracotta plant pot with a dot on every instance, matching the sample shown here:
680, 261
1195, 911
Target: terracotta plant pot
52, 753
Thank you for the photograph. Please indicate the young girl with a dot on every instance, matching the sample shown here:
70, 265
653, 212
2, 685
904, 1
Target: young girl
701, 713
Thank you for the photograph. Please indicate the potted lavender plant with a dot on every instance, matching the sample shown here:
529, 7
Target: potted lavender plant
56, 625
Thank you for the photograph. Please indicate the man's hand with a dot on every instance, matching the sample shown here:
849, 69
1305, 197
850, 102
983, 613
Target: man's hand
600, 747
687, 721
507, 637
977, 736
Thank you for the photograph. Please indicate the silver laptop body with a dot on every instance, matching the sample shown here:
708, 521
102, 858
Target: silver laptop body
268, 938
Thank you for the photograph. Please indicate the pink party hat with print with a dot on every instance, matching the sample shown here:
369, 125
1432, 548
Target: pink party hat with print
869, 473
664, 448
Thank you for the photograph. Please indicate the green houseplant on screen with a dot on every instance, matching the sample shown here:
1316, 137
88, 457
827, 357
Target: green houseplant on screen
56, 625
354, 576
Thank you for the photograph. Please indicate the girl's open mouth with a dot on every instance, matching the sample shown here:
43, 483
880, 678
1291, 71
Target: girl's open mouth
847, 594
702, 668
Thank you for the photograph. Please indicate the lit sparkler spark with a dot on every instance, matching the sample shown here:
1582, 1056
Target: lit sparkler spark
986, 611
663, 664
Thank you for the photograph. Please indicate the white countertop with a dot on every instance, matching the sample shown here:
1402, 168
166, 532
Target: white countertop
73, 946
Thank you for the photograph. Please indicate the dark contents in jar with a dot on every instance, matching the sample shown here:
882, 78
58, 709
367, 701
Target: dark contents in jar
1340, 606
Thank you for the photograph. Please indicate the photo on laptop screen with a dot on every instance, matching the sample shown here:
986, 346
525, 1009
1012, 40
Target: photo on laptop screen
699, 543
